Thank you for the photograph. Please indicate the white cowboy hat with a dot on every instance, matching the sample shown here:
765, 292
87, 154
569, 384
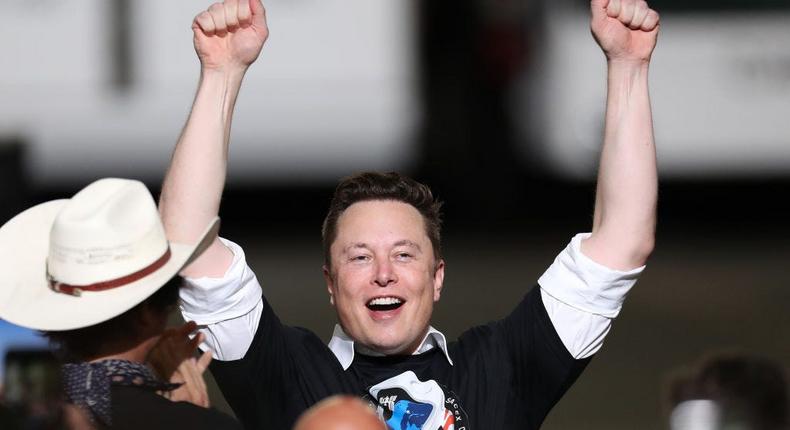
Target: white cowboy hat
73, 263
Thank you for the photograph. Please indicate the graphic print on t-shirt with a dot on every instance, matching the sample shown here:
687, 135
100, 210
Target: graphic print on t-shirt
406, 403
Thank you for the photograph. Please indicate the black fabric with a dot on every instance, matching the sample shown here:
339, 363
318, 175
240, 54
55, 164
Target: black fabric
137, 408
507, 374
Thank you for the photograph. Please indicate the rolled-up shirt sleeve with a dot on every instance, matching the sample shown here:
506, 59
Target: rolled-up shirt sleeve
582, 297
226, 309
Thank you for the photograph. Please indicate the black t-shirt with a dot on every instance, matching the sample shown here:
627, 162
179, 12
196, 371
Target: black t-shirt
506, 374
138, 408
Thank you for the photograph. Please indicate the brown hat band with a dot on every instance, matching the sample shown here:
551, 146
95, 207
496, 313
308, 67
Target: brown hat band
76, 290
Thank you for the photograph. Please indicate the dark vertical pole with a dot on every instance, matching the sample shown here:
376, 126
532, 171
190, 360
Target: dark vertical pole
121, 76
471, 53
14, 188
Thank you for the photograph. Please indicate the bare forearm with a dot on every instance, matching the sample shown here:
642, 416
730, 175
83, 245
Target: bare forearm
192, 189
625, 212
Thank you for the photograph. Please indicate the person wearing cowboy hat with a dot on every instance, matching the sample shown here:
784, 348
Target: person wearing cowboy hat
96, 274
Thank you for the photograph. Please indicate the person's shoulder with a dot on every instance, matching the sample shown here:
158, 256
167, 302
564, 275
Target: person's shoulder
134, 407
494, 336
530, 305
305, 341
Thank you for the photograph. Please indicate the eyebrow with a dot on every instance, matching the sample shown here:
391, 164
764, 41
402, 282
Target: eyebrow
355, 246
408, 243
362, 245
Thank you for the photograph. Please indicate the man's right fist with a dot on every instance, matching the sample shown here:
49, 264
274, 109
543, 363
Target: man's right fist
230, 34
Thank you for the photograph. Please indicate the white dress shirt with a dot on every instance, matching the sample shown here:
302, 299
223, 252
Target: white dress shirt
581, 298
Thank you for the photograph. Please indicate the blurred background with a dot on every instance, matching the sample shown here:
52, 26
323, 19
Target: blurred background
497, 104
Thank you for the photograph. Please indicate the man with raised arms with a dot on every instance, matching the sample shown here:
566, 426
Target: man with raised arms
384, 270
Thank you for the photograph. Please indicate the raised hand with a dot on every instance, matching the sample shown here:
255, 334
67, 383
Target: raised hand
193, 387
230, 33
174, 360
626, 30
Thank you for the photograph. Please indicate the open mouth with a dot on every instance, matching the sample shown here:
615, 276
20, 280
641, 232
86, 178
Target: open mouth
383, 304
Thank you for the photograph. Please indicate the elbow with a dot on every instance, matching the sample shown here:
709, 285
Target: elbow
618, 250
641, 251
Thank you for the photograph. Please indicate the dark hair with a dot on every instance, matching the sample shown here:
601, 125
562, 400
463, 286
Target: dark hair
365, 186
748, 389
85, 343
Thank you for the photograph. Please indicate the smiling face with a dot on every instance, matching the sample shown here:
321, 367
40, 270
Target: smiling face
383, 278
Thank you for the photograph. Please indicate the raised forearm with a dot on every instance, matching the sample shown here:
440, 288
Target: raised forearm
625, 203
196, 177
192, 190
625, 210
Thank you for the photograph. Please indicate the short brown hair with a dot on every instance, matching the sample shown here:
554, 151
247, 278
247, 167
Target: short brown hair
365, 186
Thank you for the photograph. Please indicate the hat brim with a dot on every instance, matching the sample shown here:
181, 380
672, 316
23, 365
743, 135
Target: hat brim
26, 298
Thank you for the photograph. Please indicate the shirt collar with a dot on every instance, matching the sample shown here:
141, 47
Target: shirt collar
342, 345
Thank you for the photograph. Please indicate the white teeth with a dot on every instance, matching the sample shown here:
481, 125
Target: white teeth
385, 301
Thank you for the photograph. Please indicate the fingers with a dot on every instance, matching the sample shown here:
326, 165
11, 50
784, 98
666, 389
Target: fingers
613, 8
627, 8
187, 328
640, 12
217, 12
258, 17
195, 342
228, 16
204, 361
187, 371
180, 332
651, 20
635, 14
173, 347
232, 14
598, 8
194, 383
244, 13
206, 24
200, 386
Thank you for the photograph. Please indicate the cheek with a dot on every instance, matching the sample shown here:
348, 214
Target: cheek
347, 285
422, 286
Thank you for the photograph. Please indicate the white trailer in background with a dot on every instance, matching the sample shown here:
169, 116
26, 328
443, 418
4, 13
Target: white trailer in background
334, 90
720, 87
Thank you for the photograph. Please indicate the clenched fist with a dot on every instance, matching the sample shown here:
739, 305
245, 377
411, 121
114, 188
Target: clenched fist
230, 33
626, 30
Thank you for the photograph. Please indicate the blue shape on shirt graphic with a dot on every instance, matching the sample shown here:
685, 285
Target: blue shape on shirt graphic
408, 415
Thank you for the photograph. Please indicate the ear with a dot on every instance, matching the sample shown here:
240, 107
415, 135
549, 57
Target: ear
438, 280
330, 284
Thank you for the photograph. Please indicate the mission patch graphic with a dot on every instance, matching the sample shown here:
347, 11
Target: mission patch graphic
406, 403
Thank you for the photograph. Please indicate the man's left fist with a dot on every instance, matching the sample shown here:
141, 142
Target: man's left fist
626, 30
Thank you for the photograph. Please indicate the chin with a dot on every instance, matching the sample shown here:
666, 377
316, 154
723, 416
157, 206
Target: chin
393, 346
393, 350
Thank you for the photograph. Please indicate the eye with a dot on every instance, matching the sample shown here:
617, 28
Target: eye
404, 256
360, 258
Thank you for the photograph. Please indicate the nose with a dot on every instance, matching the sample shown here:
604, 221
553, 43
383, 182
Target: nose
385, 275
